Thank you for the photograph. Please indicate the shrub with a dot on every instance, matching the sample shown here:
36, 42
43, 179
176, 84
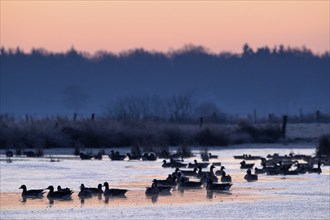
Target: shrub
184, 150
214, 137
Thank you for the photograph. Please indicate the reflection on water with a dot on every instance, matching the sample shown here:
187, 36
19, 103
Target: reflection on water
107, 198
153, 198
210, 193
51, 200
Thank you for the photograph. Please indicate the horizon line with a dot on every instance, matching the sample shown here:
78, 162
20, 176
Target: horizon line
185, 47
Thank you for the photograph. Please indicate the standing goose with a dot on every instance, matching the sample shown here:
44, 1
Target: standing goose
250, 177
58, 195
113, 192
32, 193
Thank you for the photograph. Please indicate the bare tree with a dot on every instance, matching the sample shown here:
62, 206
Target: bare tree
180, 107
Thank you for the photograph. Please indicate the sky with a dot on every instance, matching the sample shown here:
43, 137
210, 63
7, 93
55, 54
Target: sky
220, 26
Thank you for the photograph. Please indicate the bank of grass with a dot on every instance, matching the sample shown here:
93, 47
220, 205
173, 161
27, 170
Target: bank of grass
108, 133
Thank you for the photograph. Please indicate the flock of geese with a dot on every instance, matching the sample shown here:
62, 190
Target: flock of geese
181, 178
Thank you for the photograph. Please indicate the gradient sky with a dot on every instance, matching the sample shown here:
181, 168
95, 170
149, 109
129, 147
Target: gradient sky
163, 25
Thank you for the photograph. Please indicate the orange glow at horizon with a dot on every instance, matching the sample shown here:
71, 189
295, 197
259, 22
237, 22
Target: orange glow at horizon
163, 25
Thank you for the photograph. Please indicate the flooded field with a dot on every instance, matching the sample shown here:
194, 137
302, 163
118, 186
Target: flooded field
271, 197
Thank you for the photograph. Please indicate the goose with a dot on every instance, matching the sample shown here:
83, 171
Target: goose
113, 192
166, 164
84, 193
169, 181
219, 172
218, 164
133, 157
94, 190
225, 178
32, 193
213, 156
67, 190
188, 184
153, 190
205, 177
9, 153
116, 155
203, 165
210, 186
177, 164
162, 189
85, 156
245, 165
98, 156
250, 177
187, 172
195, 164
201, 173
149, 156
259, 170
58, 195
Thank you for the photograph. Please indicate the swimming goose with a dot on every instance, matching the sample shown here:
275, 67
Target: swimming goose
205, 177
84, 193
94, 190
162, 189
219, 172
59, 188
213, 156
169, 181
188, 184
187, 172
217, 186
153, 190
113, 192
203, 165
209, 173
225, 178
250, 177
166, 164
32, 193
218, 164
133, 157
177, 164
260, 170
85, 156
116, 155
245, 165
58, 195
